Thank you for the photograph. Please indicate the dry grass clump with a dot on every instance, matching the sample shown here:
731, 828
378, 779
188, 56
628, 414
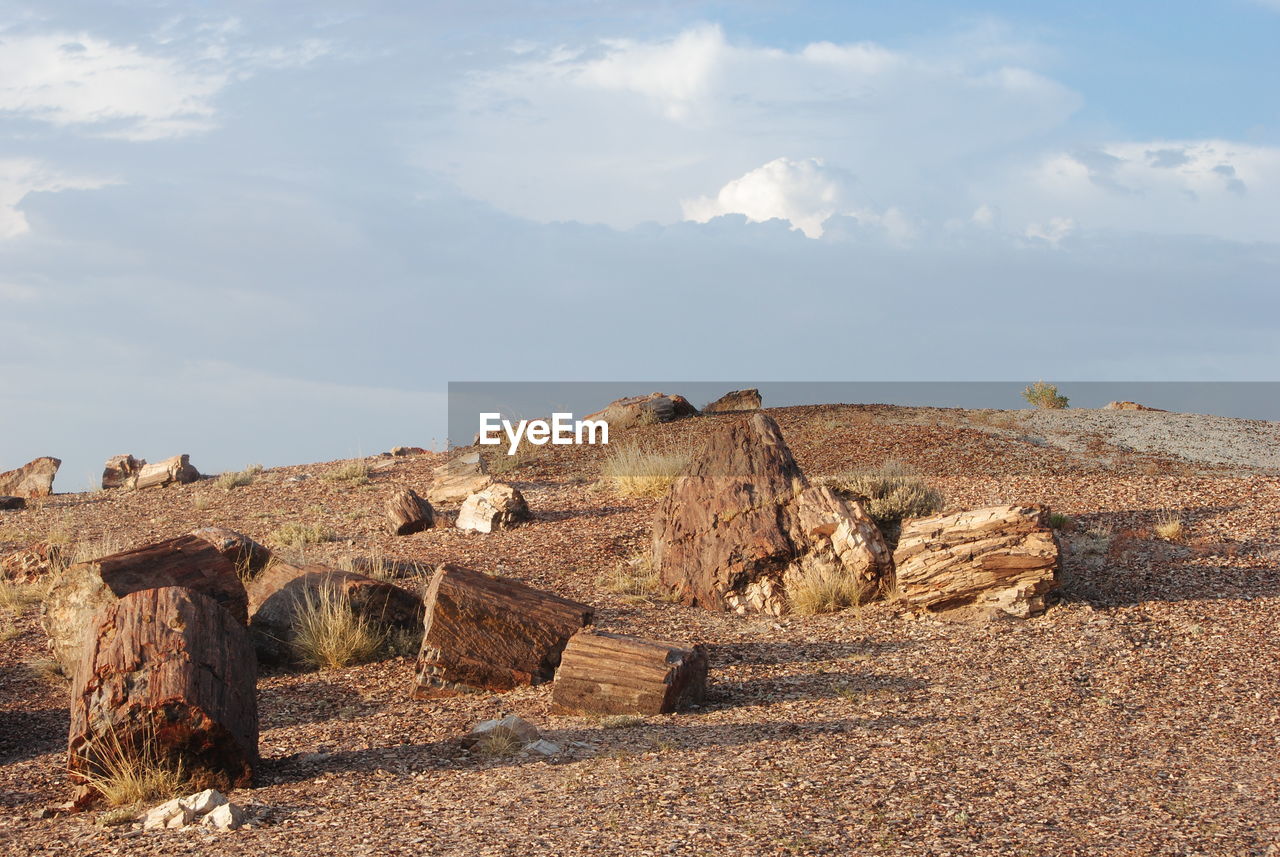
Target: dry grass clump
1169, 527
17, 597
1042, 395
129, 773
1060, 521
891, 493
354, 472
823, 587
498, 744
328, 634
621, 721
238, 479
636, 580
642, 471
295, 535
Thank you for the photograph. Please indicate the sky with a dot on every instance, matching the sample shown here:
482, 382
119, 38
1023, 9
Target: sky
274, 232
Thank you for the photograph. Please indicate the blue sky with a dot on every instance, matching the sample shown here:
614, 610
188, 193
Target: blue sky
274, 232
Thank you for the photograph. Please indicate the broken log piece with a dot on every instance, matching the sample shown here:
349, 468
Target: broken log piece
168, 676
615, 674
245, 554
81, 591
458, 478
33, 479
490, 633
497, 507
278, 594
738, 400
177, 469
407, 513
998, 558
120, 471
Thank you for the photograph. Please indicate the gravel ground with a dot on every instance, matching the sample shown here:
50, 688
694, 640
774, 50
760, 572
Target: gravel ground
1139, 716
1246, 444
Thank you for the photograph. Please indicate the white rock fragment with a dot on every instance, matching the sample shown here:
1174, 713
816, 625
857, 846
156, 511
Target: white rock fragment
543, 747
228, 816
202, 803
514, 727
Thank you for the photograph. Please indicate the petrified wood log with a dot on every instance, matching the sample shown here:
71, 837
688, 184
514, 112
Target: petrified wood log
489, 633
1001, 557
81, 591
497, 507
279, 592
458, 478
248, 556
167, 675
30, 563
614, 674
177, 469
33, 479
408, 513
744, 519
640, 410
120, 471
738, 400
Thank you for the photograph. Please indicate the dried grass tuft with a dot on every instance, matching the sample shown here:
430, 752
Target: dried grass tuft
643, 471
328, 634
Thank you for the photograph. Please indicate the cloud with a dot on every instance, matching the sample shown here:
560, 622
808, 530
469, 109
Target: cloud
124, 92
626, 131
22, 176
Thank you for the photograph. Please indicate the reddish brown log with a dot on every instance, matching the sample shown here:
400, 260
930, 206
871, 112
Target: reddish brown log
489, 633
167, 674
82, 590
408, 513
245, 554
615, 674
33, 479
738, 400
278, 593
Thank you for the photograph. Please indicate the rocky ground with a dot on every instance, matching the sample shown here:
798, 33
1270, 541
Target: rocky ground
1139, 716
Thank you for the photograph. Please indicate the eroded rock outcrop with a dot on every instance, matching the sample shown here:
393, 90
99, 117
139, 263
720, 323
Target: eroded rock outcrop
744, 520
33, 479
737, 400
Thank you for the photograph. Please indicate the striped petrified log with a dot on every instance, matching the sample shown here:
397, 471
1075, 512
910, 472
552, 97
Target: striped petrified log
176, 469
279, 593
167, 676
407, 513
81, 591
120, 471
489, 633
615, 674
999, 558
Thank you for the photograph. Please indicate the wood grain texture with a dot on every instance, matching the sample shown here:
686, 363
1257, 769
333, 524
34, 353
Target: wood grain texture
616, 674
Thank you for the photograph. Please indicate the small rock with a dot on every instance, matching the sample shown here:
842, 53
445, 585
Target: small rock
225, 817
158, 817
516, 727
543, 747
204, 802
499, 506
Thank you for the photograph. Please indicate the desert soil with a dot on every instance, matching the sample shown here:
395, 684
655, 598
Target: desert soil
1139, 716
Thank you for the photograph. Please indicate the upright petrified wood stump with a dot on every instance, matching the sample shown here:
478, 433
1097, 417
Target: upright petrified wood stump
407, 513
615, 674
167, 676
82, 590
487, 633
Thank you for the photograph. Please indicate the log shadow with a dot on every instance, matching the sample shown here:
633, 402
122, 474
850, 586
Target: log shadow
1114, 559
786, 652
315, 701
842, 684
27, 734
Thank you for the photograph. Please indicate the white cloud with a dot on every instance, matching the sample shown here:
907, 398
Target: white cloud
623, 131
124, 92
1210, 187
21, 176
1052, 232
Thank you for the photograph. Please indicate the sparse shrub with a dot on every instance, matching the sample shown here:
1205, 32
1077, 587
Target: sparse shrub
328, 634
890, 493
642, 471
238, 479
132, 772
621, 721
294, 535
8, 630
498, 744
1059, 521
354, 472
48, 669
1042, 395
16, 597
1169, 527
823, 587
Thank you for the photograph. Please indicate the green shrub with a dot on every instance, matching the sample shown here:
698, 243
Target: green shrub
1042, 395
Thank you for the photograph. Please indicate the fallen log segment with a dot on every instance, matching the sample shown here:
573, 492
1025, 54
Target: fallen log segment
33, 479
248, 556
999, 558
490, 633
177, 469
407, 513
167, 677
82, 590
615, 674
120, 471
281, 591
